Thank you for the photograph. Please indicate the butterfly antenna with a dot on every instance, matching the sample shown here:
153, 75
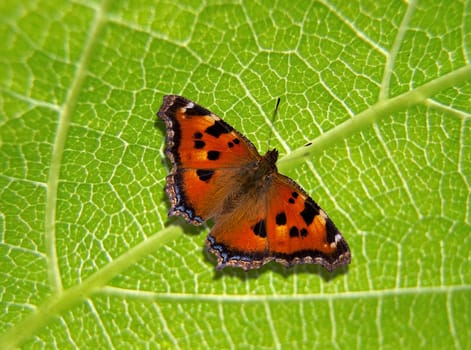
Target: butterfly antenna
275, 112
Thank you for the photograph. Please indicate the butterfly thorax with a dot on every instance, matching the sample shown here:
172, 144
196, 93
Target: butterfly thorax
257, 175
270, 158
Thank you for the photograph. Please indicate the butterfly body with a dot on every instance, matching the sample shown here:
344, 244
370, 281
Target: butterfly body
259, 214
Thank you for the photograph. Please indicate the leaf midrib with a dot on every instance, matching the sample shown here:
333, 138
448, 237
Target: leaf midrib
373, 114
57, 303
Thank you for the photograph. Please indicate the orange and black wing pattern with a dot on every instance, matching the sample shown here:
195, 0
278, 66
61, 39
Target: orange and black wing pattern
205, 153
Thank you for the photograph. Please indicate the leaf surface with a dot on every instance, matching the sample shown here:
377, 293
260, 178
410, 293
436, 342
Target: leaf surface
88, 257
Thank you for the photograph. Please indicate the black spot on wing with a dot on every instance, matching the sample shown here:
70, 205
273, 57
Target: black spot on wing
304, 232
204, 174
281, 219
293, 197
260, 229
293, 232
197, 135
233, 143
311, 209
213, 155
199, 144
218, 128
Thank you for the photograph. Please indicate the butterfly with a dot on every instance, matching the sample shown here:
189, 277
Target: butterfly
259, 214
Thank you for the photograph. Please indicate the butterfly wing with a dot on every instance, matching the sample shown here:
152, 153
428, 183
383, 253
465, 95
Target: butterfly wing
299, 231
284, 224
259, 214
205, 153
239, 237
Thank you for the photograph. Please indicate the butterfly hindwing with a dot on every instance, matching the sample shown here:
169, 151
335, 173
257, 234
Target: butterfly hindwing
299, 231
239, 238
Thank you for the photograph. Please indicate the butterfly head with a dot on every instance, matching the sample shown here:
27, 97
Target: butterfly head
271, 156
265, 167
267, 164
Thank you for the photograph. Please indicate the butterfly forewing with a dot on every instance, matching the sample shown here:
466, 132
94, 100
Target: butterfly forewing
205, 152
202, 141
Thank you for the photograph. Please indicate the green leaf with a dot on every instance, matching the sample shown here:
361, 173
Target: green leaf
88, 258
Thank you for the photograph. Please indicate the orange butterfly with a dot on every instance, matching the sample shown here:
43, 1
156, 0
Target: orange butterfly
259, 215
